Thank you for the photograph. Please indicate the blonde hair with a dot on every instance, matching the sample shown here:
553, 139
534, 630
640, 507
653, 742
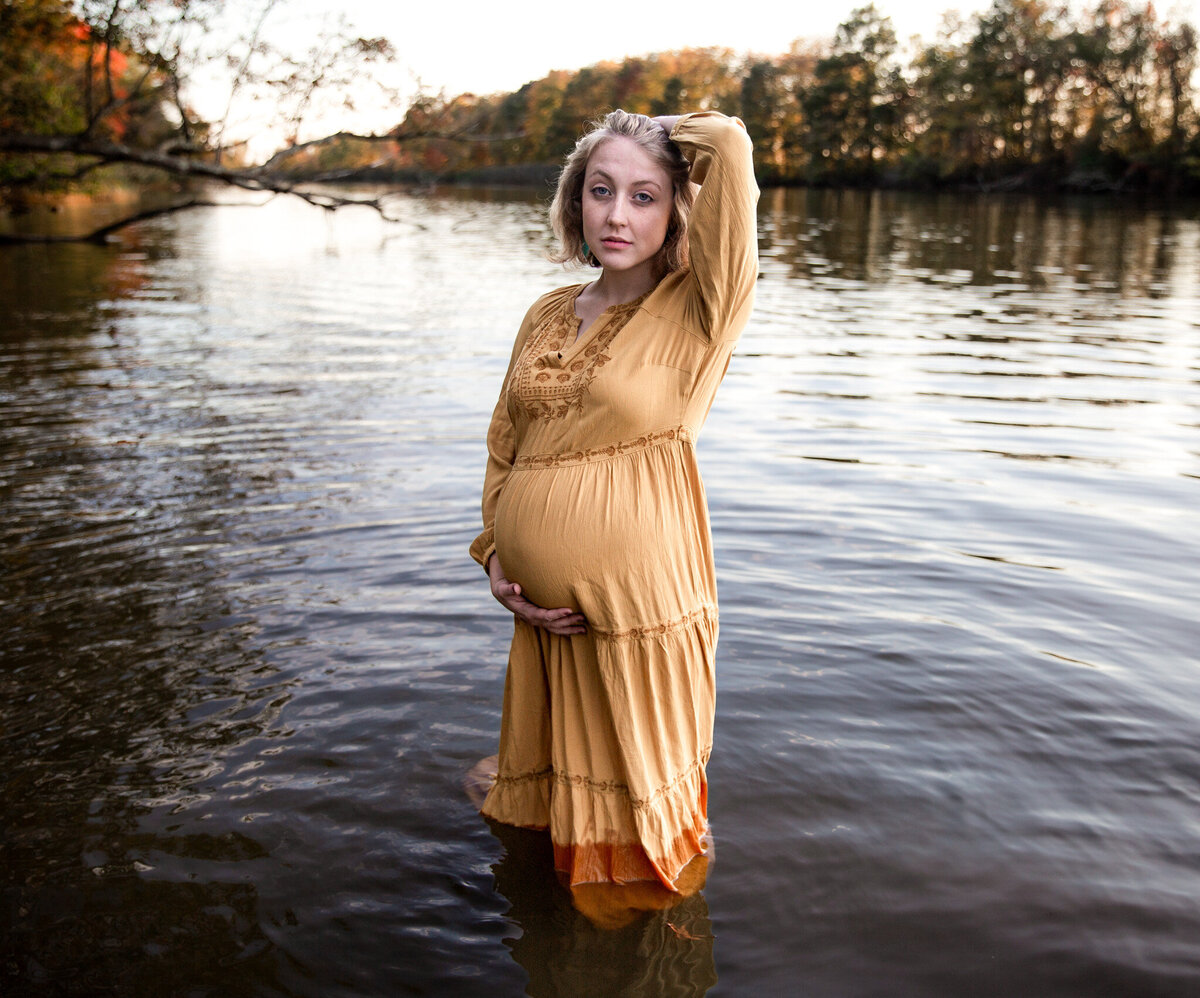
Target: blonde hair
566, 210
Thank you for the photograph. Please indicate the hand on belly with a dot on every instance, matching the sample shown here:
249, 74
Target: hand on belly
563, 621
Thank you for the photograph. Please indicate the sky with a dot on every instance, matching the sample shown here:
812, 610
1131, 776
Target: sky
488, 47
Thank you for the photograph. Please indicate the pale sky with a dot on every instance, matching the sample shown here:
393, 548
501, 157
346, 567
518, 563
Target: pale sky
488, 47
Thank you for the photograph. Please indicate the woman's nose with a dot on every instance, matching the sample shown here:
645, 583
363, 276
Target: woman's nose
616, 212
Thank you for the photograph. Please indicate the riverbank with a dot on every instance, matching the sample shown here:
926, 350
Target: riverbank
68, 215
1133, 180
80, 216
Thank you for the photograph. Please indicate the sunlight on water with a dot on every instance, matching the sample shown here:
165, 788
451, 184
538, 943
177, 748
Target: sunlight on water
953, 474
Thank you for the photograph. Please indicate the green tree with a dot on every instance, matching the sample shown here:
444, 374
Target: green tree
946, 141
1016, 62
854, 106
1116, 54
43, 60
1178, 51
763, 108
61, 77
1139, 71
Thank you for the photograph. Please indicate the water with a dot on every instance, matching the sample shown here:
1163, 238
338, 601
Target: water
953, 474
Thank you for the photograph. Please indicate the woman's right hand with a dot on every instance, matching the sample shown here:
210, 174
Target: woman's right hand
563, 621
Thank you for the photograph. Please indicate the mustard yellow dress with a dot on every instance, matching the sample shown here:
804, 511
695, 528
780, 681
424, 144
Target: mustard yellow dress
593, 500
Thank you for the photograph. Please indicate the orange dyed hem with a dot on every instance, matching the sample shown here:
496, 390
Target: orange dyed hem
628, 862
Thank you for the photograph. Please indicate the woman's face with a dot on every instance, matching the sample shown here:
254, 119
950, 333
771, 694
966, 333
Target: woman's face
627, 202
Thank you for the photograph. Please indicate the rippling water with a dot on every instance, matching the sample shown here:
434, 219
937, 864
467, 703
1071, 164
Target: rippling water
246, 662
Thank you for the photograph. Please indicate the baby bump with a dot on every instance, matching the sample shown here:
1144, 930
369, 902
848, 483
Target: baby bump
623, 541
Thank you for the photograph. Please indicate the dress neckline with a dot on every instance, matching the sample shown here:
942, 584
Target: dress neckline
606, 315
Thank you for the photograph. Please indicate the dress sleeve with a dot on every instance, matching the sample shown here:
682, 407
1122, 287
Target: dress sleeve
502, 449
722, 227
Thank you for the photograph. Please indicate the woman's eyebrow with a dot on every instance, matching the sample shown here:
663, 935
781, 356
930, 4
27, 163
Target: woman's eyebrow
602, 175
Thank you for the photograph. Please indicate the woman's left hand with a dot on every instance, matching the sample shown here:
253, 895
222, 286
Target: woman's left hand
563, 621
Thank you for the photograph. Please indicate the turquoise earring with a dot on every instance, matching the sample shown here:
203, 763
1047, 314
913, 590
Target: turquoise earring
587, 253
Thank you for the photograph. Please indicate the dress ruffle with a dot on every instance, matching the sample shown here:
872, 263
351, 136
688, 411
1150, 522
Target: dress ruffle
636, 813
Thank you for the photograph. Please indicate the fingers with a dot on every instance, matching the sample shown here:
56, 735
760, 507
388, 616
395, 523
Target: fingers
566, 631
564, 621
508, 593
561, 620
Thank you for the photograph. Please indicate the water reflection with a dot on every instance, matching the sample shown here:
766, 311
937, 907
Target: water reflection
660, 954
1076, 244
129, 666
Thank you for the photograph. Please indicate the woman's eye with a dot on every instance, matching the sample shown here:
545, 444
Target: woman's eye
643, 198
599, 190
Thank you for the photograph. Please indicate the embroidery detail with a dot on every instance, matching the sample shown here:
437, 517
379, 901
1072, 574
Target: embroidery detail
610, 786
530, 777
543, 395
707, 613
621, 447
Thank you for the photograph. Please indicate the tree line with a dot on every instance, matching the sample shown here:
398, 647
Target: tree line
1025, 94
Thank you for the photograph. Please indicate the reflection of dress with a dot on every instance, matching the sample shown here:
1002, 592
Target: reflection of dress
664, 953
593, 500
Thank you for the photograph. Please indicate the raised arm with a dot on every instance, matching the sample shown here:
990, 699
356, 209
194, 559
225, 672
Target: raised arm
722, 228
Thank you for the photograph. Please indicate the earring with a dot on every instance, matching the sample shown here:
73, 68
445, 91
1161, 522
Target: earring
587, 253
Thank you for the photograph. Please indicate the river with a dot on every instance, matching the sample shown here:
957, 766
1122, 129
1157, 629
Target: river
954, 474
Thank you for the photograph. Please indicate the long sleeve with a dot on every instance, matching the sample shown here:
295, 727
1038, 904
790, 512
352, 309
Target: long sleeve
501, 445
722, 227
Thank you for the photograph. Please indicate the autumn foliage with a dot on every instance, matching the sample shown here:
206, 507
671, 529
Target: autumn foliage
1028, 94
58, 76
1024, 94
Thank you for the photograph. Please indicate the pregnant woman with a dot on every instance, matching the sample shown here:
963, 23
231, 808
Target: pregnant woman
596, 533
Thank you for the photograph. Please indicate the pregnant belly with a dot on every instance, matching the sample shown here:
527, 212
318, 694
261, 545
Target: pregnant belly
619, 541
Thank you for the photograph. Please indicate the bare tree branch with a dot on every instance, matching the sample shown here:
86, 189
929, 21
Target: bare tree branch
131, 106
240, 76
113, 152
109, 153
